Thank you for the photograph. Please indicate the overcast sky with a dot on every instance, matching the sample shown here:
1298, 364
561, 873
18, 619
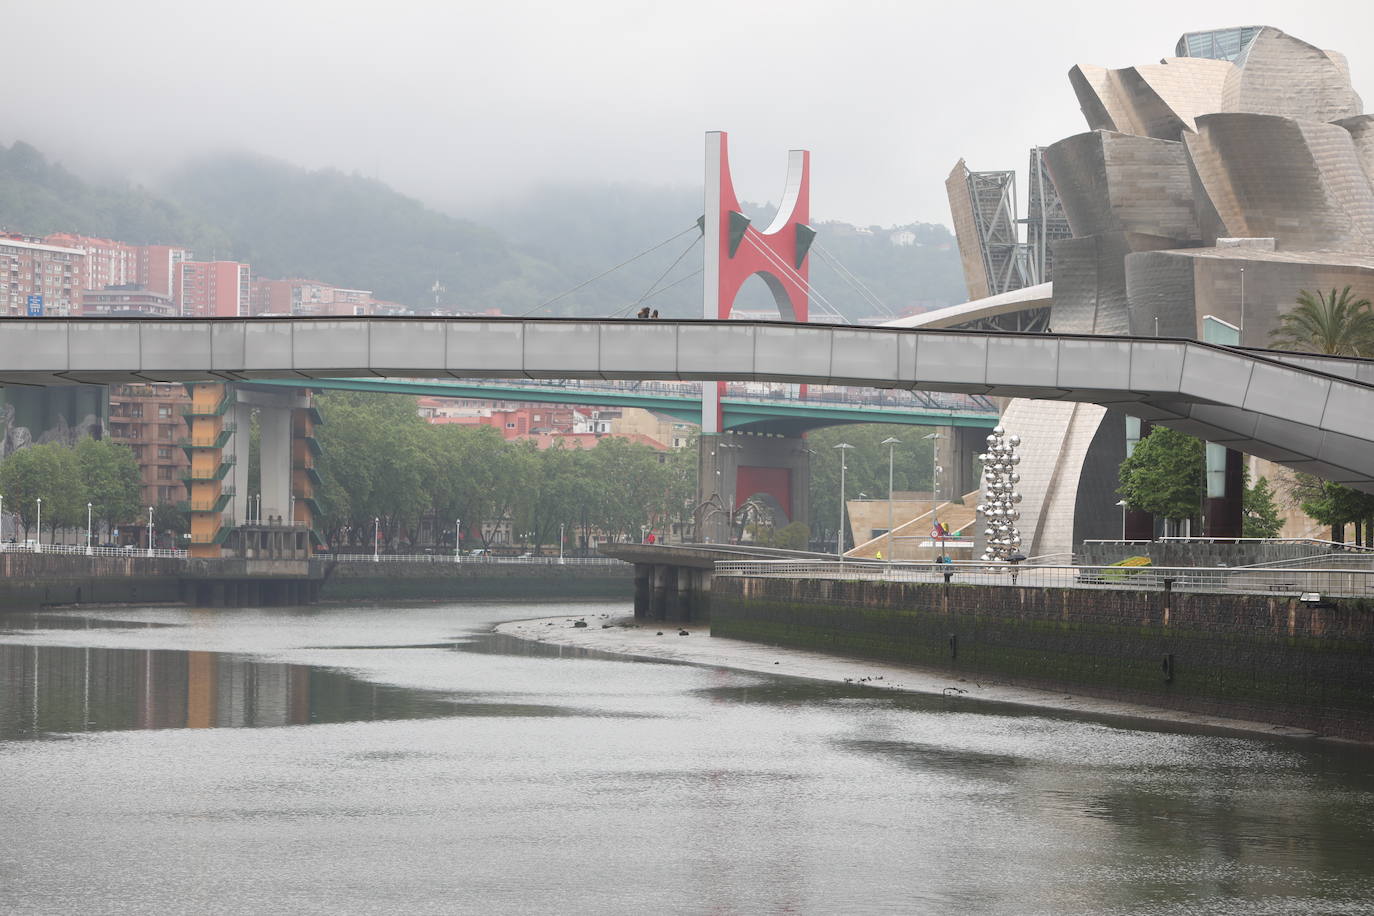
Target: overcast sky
464, 104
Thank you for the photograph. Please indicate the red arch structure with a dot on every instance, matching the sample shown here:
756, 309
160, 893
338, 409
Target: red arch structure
736, 250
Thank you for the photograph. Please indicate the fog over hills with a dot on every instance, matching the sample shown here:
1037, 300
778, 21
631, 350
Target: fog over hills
521, 257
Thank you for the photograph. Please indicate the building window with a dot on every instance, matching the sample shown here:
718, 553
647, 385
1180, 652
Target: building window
164, 411
164, 472
164, 452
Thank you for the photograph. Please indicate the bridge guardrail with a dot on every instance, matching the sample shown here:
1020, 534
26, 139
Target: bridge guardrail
1282, 582
450, 560
82, 550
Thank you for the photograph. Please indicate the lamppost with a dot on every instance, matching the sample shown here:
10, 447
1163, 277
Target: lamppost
2, 521
839, 536
150, 531
891, 442
457, 537
38, 542
1123, 505
88, 529
935, 470
560, 542
1241, 323
376, 535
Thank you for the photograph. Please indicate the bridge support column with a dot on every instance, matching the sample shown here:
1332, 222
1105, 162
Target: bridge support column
643, 590
1223, 512
733, 467
957, 452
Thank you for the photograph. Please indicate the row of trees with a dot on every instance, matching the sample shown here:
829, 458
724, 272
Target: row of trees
95, 471
382, 461
1165, 475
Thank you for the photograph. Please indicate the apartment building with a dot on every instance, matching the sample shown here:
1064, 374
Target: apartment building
39, 279
148, 419
107, 262
126, 301
159, 267
213, 289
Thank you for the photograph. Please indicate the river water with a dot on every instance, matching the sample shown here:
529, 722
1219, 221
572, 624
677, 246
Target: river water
408, 760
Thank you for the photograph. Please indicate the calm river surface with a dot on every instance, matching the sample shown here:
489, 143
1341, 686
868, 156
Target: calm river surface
407, 760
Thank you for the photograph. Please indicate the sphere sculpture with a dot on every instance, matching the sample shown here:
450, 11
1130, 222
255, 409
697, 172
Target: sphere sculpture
998, 508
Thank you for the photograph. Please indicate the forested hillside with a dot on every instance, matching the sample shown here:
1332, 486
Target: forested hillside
524, 257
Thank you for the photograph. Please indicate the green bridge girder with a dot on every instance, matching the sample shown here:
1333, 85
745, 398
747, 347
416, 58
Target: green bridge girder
739, 413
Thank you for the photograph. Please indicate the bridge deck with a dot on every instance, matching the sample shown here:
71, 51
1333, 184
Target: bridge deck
1306, 416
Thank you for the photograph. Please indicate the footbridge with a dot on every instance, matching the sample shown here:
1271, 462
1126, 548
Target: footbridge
1308, 413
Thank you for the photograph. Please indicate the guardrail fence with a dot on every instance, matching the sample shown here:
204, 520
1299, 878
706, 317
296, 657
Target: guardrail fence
1309, 584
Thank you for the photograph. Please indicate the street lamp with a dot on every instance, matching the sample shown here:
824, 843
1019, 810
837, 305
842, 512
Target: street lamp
376, 535
88, 529
2, 521
150, 531
1123, 505
934, 486
457, 537
38, 542
1241, 323
891, 442
839, 536
560, 542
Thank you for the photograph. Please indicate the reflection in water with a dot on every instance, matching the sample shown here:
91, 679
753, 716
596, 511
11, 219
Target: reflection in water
519, 778
53, 690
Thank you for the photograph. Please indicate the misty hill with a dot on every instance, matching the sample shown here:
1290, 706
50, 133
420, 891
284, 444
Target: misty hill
583, 230
38, 197
357, 232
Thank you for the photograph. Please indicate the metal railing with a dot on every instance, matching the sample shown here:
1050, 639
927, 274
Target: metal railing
451, 560
84, 551
1288, 582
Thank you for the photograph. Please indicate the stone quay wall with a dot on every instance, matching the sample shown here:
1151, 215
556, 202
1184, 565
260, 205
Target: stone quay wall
1255, 657
31, 580
457, 581
1216, 553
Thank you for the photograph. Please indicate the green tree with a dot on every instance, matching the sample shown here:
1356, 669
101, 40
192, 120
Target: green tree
169, 518
867, 467
49, 472
1261, 517
112, 478
1165, 475
1332, 504
1336, 325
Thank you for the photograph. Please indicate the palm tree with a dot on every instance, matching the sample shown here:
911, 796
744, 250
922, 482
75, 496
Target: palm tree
1335, 325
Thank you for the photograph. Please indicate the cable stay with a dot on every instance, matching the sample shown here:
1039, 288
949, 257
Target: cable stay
564, 294
791, 273
855, 283
653, 286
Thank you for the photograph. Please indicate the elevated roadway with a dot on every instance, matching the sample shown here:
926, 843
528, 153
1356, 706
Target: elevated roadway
787, 416
1310, 414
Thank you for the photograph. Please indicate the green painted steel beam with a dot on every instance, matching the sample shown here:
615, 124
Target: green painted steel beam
738, 412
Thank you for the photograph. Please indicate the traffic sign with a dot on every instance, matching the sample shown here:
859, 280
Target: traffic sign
35, 306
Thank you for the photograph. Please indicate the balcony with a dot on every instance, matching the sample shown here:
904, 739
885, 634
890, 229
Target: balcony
219, 473
219, 410
191, 443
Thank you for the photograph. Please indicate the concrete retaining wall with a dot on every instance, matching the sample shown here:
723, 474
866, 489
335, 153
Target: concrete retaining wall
1201, 553
29, 580
1269, 659
349, 581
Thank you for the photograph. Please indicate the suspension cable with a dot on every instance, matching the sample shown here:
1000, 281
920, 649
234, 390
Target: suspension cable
691, 228
849, 276
650, 291
797, 278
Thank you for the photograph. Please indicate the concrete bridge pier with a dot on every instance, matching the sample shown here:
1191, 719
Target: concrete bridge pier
732, 468
672, 584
